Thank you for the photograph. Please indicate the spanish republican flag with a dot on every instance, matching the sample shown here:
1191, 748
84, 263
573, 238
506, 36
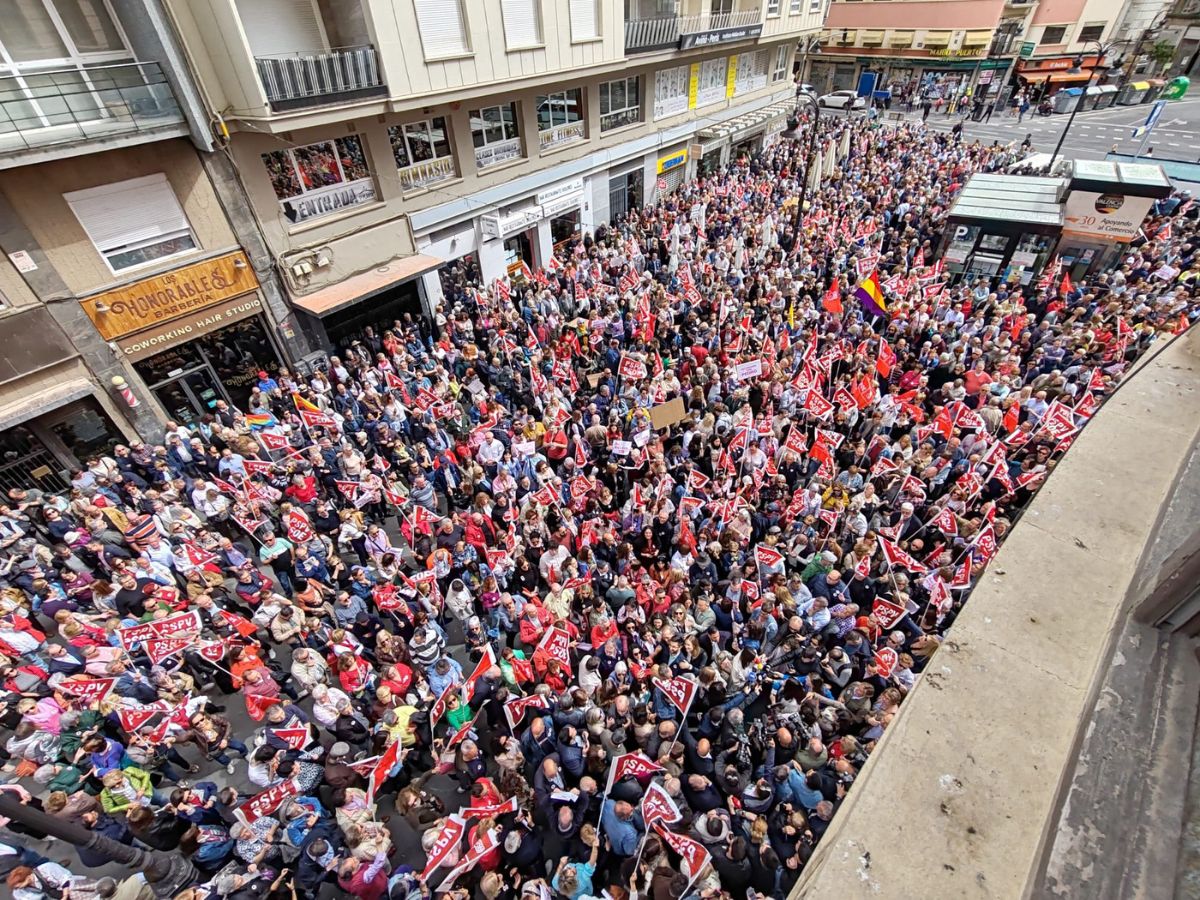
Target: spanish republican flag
303, 405
870, 294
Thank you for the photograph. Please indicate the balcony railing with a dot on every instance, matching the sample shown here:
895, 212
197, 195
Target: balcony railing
67, 106
320, 77
642, 35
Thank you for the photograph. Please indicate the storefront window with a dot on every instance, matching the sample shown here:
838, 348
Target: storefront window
560, 118
422, 152
962, 242
620, 103
565, 227
624, 193
84, 428
320, 179
710, 162
517, 248
495, 134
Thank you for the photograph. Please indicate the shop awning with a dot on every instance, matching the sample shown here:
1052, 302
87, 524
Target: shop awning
368, 284
937, 39
872, 36
736, 128
901, 38
979, 38
47, 399
1056, 78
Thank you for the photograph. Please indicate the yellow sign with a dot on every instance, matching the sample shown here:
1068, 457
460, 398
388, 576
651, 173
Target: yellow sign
672, 161
693, 85
162, 298
964, 51
731, 75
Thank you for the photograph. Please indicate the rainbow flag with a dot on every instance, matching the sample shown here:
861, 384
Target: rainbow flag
260, 420
870, 295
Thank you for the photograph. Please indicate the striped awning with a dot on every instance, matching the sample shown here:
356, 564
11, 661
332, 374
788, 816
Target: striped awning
978, 38
872, 36
937, 38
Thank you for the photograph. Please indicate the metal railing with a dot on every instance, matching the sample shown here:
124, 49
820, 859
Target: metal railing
66, 106
660, 33
308, 77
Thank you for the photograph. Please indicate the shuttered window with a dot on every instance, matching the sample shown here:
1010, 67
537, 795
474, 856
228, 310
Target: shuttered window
443, 28
585, 20
522, 23
133, 222
279, 27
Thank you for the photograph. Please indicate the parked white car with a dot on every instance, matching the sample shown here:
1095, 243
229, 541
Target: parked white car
842, 100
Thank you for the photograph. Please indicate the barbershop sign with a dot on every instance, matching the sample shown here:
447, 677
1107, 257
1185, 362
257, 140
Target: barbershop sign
181, 293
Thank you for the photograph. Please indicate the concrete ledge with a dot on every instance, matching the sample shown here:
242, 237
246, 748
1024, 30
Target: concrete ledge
963, 792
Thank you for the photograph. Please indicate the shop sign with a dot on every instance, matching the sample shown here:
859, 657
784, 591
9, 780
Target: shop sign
562, 204
1112, 216
172, 295
719, 36
328, 200
498, 226
1027, 48
672, 161
962, 51
574, 186
171, 334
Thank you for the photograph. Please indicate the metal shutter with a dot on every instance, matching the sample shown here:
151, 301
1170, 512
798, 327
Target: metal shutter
443, 31
584, 21
521, 23
128, 212
281, 27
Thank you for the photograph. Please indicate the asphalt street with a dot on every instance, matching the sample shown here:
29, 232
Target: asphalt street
1094, 132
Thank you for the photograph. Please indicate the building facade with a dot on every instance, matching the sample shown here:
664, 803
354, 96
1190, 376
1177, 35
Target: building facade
133, 288
380, 142
948, 48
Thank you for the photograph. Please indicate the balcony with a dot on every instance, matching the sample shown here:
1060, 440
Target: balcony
110, 104
308, 78
685, 32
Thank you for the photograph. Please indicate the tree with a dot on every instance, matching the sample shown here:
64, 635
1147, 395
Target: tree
1161, 53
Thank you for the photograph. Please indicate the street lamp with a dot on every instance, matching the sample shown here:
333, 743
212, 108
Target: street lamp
1101, 53
809, 156
166, 873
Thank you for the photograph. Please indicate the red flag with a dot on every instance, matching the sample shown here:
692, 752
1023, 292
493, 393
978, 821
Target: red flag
89, 690
945, 522
556, 643
887, 614
295, 736
161, 649
1012, 417
693, 854
897, 557
657, 806
886, 660
257, 705
299, 530
133, 719
832, 300
514, 709
962, 575
481, 668
634, 764
383, 769
886, 359
680, 691
198, 556
817, 405
767, 557
265, 803
1065, 287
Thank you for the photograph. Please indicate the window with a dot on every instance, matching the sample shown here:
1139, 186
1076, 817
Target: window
135, 222
670, 91
422, 152
624, 193
783, 56
443, 28
522, 23
795, 7
1091, 32
585, 20
814, 6
560, 118
772, 7
1054, 34
711, 81
320, 179
620, 103
495, 134
751, 72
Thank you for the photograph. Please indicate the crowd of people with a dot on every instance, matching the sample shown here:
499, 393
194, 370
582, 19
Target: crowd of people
606, 581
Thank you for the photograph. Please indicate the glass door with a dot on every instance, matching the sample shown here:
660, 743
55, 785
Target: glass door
188, 396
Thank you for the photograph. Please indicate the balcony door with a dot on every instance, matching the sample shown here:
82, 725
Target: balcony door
721, 7
278, 28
